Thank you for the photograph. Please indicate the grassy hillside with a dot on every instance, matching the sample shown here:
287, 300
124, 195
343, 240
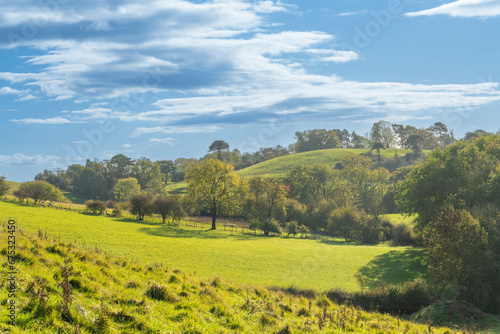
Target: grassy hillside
116, 295
242, 258
278, 167
13, 186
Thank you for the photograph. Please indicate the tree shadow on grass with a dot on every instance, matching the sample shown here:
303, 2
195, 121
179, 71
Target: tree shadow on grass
169, 231
396, 267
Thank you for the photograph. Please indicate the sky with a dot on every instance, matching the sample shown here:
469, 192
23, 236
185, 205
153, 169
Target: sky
163, 79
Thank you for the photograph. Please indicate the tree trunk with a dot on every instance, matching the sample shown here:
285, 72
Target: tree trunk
213, 222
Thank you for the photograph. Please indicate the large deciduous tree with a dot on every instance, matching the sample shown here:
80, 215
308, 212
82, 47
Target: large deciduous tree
216, 188
126, 188
267, 198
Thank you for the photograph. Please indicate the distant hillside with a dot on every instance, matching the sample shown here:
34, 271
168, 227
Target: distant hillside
13, 186
278, 167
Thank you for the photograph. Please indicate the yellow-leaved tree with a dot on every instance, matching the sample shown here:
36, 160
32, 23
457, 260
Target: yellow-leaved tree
216, 188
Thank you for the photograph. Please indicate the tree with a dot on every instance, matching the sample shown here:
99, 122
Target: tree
320, 176
97, 207
215, 187
120, 166
147, 173
168, 169
460, 258
168, 206
358, 141
91, 184
371, 186
376, 133
462, 175
440, 129
378, 147
126, 188
218, 146
267, 198
40, 191
4, 186
388, 137
400, 132
141, 206
317, 139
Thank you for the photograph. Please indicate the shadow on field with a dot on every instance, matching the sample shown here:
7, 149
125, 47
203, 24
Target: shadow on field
169, 231
395, 267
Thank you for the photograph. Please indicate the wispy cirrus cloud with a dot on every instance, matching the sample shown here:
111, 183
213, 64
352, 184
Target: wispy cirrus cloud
463, 8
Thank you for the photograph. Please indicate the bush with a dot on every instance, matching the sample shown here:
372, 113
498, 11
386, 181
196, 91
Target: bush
292, 228
270, 226
96, 207
402, 235
346, 223
374, 231
111, 204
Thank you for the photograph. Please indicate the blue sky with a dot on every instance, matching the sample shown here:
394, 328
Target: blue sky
163, 79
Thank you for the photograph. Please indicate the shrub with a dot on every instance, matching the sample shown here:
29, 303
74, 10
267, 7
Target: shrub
96, 207
292, 228
345, 222
402, 235
111, 204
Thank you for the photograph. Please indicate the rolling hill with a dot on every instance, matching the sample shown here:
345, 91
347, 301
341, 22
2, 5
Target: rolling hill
279, 167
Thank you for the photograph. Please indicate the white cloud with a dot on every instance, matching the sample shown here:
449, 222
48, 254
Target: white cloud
269, 7
163, 141
127, 145
22, 159
463, 8
26, 98
359, 12
8, 90
54, 120
175, 130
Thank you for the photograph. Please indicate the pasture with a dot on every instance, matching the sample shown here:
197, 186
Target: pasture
279, 167
246, 259
113, 295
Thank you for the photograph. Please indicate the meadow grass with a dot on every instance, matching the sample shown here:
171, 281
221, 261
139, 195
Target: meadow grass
279, 167
397, 218
242, 258
116, 295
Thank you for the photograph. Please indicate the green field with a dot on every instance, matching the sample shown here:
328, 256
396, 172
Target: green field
117, 295
279, 167
241, 258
